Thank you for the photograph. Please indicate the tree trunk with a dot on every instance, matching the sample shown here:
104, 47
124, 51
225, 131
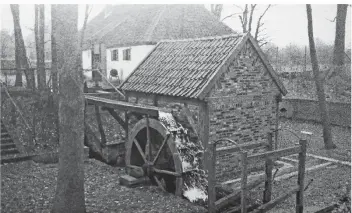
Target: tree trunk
54, 80
21, 56
69, 195
39, 41
339, 47
319, 84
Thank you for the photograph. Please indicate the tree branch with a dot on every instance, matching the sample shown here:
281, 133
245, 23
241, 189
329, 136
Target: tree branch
251, 17
229, 16
259, 22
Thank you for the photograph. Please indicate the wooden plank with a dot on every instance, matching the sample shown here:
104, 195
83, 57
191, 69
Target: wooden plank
165, 98
244, 165
162, 171
125, 106
268, 206
300, 181
116, 116
244, 146
100, 126
210, 157
275, 154
268, 172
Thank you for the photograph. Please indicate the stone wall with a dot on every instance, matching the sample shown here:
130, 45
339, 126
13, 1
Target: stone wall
304, 109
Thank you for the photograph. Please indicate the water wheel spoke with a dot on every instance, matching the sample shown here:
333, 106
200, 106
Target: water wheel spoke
140, 150
161, 171
159, 183
148, 148
161, 148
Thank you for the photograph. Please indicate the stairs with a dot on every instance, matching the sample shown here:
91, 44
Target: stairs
9, 152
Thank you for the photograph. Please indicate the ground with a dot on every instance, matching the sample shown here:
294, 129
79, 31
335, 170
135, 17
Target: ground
30, 187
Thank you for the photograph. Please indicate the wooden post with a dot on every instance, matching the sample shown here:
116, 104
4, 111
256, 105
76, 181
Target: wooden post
268, 171
204, 124
126, 124
100, 126
300, 181
244, 164
210, 157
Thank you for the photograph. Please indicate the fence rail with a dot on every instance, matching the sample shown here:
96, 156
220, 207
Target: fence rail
242, 192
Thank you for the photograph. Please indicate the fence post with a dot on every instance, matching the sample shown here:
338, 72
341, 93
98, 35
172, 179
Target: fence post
300, 181
268, 171
244, 164
211, 163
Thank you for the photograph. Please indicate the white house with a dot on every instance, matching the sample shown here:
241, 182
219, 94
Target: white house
121, 36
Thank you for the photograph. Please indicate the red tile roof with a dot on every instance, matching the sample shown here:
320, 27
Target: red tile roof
129, 24
187, 68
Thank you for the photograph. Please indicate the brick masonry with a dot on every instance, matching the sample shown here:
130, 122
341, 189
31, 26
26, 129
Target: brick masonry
242, 107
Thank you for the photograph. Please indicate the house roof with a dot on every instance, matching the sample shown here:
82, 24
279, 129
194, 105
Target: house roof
119, 25
190, 67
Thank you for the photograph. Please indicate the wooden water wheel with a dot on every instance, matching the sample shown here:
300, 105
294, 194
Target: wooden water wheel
151, 152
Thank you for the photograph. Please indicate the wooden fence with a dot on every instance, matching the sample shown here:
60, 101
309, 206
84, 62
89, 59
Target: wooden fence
269, 156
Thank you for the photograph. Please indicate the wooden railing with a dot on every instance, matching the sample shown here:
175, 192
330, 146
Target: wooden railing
213, 204
269, 156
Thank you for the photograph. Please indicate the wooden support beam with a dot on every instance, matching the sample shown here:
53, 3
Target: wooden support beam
100, 126
116, 116
125, 106
210, 157
204, 124
126, 124
268, 206
275, 154
268, 171
165, 98
300, 181
244, 165
190, 119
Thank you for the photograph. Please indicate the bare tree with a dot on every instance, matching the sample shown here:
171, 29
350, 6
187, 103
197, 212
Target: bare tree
338, 60
69, 195
20, 51
319, 84
216, 10
39, 41
246, 19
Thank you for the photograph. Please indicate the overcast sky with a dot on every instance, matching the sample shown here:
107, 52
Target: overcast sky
284, 24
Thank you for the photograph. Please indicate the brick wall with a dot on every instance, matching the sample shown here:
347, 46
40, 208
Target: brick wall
242, 107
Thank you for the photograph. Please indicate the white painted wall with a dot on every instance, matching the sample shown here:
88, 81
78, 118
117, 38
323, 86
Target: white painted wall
87, 62
138, 53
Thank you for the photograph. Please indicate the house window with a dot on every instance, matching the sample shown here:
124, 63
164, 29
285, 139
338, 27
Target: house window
127, 54
115, 55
